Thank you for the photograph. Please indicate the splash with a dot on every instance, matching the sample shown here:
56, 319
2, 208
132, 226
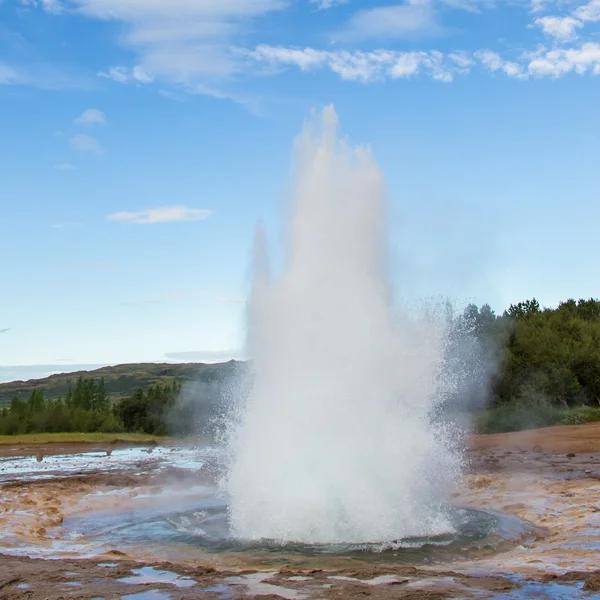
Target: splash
336, 440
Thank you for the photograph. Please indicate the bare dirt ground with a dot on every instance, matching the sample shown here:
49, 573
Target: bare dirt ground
548, 477
566, 438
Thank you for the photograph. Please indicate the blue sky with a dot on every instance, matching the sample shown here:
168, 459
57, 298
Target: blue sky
142, 140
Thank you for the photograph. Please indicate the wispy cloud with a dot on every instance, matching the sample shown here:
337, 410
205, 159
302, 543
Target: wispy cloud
43, 76
493, 62
85, 143
65, 167
362, 66
54, 7
327, 4
410, 19
122, 74
162, 214
193, 46
561, 28
182, 42
380, 65
6, 330
91, 116
8, 75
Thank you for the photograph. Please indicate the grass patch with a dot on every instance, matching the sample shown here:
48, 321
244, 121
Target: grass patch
79, 438
520, 417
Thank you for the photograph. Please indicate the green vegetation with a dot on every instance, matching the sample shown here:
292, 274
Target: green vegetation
86, 408
77, 438
546, 363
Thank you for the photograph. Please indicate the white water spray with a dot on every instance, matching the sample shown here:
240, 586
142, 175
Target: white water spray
335, 441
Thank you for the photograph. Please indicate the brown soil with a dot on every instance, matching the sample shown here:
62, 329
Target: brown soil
566, 438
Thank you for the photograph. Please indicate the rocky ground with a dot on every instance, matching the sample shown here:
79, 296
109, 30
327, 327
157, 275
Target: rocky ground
550, 478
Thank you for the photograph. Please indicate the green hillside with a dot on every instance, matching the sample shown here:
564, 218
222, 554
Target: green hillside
121, 380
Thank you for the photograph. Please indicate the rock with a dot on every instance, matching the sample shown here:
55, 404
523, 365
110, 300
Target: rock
592, 583
571, 455
537, 448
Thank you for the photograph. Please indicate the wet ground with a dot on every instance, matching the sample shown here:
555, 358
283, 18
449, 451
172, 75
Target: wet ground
133, 523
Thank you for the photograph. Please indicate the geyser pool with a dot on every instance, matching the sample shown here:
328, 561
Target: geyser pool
335, 440
191, 522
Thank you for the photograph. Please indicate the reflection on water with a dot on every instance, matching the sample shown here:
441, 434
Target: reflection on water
149, 595
152, 575
547, 591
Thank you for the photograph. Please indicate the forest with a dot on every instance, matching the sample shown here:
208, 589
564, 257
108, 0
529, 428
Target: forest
537, 366
86, 408
528, 367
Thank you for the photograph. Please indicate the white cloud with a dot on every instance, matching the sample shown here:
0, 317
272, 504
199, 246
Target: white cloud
561, 28
91, 116
327, 4
494, 62
360, 66
122, 74
589, 11
462, 60
560, 62
412, 18
538, 6
86, 143
65, 167
118, 74
161, 214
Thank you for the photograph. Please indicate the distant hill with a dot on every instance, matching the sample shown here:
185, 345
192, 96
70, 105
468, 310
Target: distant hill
122, 380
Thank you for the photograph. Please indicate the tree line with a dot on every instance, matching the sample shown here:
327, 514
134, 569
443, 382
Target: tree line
87, 408
537, 366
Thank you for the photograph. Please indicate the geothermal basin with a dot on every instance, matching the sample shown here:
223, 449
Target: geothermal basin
138, 522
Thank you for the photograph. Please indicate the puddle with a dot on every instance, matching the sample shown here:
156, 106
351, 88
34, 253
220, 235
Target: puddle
223, 590
547, 591
73, 584
381, 580
107, 565
152, 575
256, 586
22, 586
149, 595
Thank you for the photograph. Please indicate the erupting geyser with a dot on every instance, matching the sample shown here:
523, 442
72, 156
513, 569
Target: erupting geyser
336, 440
